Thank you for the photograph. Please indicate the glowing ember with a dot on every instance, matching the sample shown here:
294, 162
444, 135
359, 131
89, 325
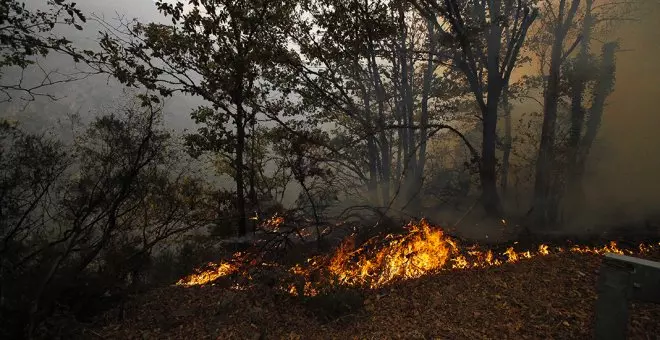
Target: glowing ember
422, 250
273, 223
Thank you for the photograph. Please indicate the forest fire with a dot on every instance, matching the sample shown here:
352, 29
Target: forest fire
423, 250
211, 273
214, 271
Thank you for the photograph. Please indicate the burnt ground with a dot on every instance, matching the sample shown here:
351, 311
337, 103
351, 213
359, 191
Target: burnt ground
549, 297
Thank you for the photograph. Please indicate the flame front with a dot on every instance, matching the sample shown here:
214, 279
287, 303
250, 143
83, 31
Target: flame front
423, 250
382, 260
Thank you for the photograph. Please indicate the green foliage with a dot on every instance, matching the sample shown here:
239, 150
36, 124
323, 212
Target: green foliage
353, 114
90, 217
26, 34
21, 33
222, 51
30, 165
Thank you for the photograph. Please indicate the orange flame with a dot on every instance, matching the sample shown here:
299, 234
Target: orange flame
273, 223
423, 250
214, 272
380, 261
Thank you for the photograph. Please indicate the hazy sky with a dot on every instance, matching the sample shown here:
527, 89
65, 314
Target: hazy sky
95, 95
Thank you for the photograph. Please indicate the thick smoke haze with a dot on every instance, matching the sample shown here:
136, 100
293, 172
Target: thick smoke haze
624, 179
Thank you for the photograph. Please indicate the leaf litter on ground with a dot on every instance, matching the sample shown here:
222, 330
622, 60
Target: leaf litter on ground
549, 297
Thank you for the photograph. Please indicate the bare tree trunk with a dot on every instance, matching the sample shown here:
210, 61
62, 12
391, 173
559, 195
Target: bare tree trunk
488, 175
254, 203
385, 168
545, 194
424, 119
399, 150
372, 150
575, 195
240, 180
542, 185
406, 109
603, 88
506, 154
411, 162
399, 116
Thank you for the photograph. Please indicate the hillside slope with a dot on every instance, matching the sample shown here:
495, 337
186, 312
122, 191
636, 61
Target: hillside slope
549, 297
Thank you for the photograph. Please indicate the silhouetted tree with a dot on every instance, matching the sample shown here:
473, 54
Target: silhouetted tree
487, 55
569, 77
25, 35
61, 211
217, 50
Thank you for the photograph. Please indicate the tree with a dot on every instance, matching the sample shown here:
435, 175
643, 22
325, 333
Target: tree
357, 73
566, 79
544, 203
219, 51
27, 34
63, 211
478, 33
340, 83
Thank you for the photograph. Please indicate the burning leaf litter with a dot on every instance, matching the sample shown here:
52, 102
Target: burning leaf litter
211, 273
545, 297
423, 250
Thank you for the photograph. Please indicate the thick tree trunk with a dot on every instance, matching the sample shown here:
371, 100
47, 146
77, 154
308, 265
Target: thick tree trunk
544, 162
386, 170
546, 195
385, 158
372, 186
602, 89
399, 149
399, 117
411, 163
372, 151
254, 202
240, 180
575, 195
506, 154
543, 212
488, 175
424, 119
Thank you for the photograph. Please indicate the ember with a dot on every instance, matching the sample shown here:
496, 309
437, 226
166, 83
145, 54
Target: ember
423, 250
273, 223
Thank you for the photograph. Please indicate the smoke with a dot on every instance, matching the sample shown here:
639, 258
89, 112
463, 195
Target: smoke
624, 166
622, 183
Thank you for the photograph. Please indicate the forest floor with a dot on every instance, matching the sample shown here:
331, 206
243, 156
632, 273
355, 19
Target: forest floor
547, 297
